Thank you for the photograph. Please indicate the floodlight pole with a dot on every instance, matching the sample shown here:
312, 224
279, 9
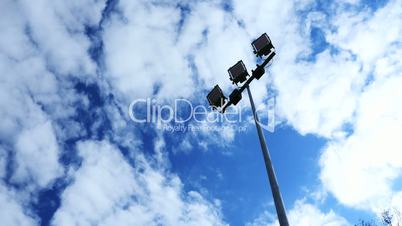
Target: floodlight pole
256, 74
280, 208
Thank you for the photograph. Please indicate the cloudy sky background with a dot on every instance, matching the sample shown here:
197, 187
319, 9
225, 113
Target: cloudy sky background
69, 154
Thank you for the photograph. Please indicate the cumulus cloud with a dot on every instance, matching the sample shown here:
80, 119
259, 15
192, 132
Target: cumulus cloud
368, 34
26, 128
141, 52
12, 212
66, 48
107, 190
31, 96
320, 97
360, 169
37, 155
303, 214
44, 54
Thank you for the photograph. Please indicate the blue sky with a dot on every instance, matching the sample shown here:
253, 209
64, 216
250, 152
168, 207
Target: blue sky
244, 191
71, 154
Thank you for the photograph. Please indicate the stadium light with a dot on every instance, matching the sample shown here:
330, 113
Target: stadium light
216, 98
262, 45
238, 73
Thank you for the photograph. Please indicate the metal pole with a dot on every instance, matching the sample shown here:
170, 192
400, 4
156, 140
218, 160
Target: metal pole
280, 208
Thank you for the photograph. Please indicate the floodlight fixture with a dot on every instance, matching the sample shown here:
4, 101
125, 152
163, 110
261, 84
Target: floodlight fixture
235, 96
262, 45
238, 72
216, 98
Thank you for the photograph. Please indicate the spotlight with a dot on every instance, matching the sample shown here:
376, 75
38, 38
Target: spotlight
216, 98
262, 45
238, 73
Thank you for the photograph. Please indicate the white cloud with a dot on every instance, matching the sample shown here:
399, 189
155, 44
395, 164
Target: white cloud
103, 181
26, 128
216, 41
319, 97
360, 169
12, 213
41, 43
367, 34
107, 190
303, 214
66, 49
141, 52
37, 155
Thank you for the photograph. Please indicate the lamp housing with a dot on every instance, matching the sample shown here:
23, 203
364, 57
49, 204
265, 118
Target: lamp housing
216, 98
262, 46
238, 73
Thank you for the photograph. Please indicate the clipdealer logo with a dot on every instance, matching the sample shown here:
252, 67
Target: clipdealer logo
182, 115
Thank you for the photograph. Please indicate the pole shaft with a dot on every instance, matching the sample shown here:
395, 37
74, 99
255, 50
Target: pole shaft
280, 208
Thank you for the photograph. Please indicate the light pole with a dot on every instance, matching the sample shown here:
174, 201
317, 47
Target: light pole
238, 74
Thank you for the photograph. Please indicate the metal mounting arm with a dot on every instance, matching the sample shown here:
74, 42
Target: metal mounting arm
256, 73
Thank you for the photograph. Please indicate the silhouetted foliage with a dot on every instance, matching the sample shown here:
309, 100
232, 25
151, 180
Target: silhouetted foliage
366, 223
386, 217
390, 217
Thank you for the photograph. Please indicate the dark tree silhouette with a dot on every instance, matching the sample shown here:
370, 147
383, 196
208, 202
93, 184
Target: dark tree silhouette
386, 217
366, 223
390, 217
